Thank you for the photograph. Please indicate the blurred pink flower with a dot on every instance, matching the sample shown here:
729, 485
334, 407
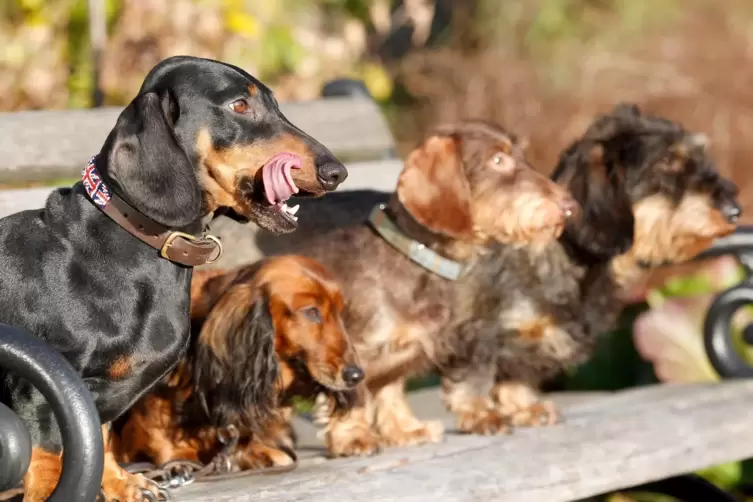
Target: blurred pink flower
669, 334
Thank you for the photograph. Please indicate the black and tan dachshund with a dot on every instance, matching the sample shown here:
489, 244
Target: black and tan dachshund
103, 271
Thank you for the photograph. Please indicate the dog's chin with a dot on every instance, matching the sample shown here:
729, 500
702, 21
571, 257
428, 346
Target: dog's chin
274, 219
332, 384
267, 217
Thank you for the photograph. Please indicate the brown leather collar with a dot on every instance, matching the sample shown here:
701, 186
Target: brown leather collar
178, 247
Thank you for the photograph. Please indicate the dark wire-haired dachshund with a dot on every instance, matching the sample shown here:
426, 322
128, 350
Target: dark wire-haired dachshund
103, 271
464, 188
650, 196
216, 384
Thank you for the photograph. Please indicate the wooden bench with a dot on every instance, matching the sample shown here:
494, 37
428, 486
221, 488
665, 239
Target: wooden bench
606, 441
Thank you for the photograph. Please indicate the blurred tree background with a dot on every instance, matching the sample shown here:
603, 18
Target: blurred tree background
542, 68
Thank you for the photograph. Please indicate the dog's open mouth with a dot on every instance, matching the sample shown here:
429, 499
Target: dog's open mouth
279, 186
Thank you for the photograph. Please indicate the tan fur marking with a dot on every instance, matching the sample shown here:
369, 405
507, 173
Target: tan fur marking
665, 234
43, 474
222, 171
122, 367
538, 330
534, 330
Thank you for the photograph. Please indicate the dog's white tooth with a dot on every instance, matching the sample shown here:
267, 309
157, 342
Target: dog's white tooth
295, 218
294, 209
285, 208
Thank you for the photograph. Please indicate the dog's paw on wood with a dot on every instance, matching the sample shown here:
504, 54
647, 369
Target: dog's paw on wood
415, 433
352, 441
483, 421
260, 456
126, 487
523, 405
541, 414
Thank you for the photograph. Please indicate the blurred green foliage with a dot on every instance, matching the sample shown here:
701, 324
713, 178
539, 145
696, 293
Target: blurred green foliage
546, 29
46, 43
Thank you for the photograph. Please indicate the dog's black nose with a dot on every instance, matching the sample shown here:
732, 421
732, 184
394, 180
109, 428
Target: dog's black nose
732, 212
352, 375
331, 175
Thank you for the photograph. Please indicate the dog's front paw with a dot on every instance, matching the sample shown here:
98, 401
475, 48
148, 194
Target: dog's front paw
131, 488
415, 434
261, 456
541, 414
358, 441
523, 405
483, 421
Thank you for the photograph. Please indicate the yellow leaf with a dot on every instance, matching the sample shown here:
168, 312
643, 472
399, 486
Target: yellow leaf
377, 81
31, 5
242, 23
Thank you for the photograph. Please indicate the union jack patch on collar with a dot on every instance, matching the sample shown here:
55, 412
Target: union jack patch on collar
94, 186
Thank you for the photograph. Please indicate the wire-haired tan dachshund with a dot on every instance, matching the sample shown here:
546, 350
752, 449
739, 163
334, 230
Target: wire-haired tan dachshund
103, 271
650, 195
216, 384
465, 187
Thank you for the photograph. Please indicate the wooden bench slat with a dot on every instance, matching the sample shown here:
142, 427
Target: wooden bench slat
376, 175
54, 142
605, 444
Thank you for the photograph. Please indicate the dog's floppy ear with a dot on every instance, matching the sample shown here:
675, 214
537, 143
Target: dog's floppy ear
148, 165
434, 189
236, 367
604, 227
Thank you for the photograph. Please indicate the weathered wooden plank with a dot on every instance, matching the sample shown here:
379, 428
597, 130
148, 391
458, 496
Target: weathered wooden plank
40, 144
378, 175
610, 443
427, 404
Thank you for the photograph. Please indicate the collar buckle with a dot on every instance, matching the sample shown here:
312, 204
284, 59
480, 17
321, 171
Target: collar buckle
220, 250
169, 242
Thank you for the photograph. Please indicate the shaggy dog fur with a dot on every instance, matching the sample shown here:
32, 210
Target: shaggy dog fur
650, 196
464, 188
292, 298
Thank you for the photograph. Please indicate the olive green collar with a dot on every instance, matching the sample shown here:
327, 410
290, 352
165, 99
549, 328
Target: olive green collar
416, 251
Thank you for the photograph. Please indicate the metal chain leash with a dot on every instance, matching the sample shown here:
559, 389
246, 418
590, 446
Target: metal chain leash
178, 473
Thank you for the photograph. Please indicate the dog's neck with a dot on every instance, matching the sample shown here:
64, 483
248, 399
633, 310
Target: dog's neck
176, 245
624, 271
447, 247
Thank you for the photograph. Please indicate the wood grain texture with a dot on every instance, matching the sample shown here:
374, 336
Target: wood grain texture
39, 144
613, 442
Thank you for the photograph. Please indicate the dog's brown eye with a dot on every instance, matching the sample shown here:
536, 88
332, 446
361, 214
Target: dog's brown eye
240, 106
502, 162
312, 314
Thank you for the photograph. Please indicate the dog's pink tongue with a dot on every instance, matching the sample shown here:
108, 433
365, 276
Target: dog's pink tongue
278, 183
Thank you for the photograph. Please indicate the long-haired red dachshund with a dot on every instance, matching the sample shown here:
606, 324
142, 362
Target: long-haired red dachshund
293, 297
